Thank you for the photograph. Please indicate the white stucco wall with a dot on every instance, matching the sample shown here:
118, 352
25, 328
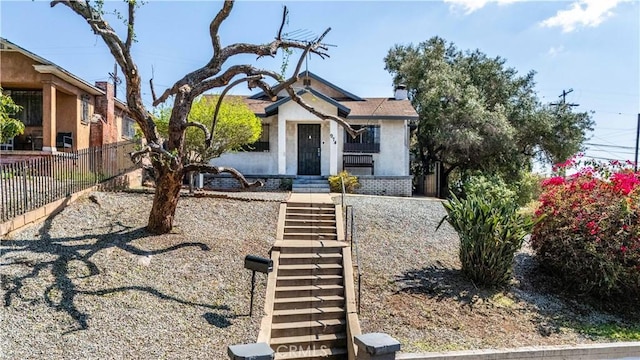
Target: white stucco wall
393, 158
294, 114
253, 162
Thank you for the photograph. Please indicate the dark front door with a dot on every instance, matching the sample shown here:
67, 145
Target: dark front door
308, 149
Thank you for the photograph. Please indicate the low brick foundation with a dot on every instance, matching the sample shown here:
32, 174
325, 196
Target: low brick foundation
385, 185
369, 185
227, 182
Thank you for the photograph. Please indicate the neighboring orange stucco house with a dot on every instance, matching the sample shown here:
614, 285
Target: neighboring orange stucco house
61, 112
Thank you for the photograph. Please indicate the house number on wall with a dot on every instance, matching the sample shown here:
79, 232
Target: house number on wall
333, 138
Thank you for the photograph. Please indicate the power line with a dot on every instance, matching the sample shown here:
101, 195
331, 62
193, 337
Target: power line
612, 146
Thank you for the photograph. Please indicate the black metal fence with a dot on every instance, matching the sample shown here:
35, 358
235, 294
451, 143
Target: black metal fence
29, 184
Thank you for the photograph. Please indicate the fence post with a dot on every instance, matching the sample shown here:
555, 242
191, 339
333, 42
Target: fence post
24, 186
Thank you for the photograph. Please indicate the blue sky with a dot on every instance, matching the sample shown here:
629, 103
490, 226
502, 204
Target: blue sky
590, 46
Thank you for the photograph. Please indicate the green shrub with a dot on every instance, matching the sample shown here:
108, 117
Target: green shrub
350, 182
492, 187
286, 184
490, 231
590, 237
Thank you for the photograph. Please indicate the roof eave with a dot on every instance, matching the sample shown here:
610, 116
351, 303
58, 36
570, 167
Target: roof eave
68, 77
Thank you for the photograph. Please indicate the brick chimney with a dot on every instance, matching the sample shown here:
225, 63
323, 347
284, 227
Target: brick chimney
106, 130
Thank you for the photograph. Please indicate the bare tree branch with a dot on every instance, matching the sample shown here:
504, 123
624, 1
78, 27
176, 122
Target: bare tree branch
130, 23
122, 56
221, 97
285, 12
214, 27
210, 169
136, 155
354, 133
207, 134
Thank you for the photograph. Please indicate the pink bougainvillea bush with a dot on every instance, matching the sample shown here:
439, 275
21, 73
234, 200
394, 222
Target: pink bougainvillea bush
589, 234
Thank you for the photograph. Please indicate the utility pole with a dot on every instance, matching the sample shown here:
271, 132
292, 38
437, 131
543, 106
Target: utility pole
635, 166
116, 80
564, 99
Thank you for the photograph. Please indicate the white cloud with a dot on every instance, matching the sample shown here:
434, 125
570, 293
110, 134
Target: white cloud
555, 51
469, 6
589, 13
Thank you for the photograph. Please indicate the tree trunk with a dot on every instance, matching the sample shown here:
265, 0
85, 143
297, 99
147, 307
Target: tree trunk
165, 201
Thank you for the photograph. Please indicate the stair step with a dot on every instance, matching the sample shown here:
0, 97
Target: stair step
310, 210
310, 222
313, 354
308, 290
309, 236
309, 314
310, 205
310, 269
315, 327
308, 302
310, 229
300, 280
289, 217
309, 246
310, 258
309, 341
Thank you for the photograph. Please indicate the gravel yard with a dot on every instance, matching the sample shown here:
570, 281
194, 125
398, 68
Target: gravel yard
90, 283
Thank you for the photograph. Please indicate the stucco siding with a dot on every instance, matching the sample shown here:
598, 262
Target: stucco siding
253, 162
18, 72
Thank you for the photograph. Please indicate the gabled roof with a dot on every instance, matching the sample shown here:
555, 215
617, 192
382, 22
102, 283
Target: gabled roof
309, 74
273, 108
350, 107
47, 67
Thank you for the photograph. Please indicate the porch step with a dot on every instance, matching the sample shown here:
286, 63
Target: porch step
310, 229
315, 327
306, 185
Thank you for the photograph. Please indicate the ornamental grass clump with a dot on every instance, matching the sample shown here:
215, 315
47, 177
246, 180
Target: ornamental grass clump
590, 235
491, 231
351, 182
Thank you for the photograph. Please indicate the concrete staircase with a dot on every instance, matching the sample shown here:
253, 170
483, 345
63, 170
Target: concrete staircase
306, 314
310, 184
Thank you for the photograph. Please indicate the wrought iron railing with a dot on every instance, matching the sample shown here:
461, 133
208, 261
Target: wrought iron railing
362, 147
350, 234
29, 184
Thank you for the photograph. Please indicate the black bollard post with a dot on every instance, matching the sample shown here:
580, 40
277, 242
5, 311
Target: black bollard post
253, 285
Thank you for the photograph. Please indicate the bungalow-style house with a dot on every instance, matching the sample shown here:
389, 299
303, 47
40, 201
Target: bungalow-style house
61, 112
296, 143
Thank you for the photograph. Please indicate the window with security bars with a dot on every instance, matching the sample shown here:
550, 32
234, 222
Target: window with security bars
128, 128
31, 102
262, 145
85, 108
367, 142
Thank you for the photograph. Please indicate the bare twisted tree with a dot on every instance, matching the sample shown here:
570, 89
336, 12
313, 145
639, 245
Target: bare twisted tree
167, 155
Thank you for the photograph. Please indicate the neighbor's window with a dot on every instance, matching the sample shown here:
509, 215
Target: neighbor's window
262, 144
85, 108
367, 142
128, 128
31, 102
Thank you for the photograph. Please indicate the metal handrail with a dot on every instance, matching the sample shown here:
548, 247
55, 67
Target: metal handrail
352, 238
